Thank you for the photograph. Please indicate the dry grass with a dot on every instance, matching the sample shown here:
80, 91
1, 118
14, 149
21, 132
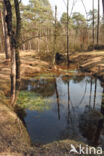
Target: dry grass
12, 131
92, 62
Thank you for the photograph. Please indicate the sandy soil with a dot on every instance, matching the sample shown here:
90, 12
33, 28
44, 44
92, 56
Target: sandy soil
92, 62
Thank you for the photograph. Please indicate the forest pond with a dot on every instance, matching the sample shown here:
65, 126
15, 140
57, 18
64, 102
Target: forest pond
63, 107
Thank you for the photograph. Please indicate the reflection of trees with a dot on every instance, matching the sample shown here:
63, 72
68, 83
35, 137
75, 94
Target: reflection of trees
82, 79
69, 130
98, 131
24, 84
90, 125
78, 79
102, 104
91, 121
90, 92
83, 95
66, 78
68, 102
95, 93
58, 100
44, 87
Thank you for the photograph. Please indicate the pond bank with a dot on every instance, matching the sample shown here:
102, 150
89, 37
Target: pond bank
13, 135
91, 62
14, 138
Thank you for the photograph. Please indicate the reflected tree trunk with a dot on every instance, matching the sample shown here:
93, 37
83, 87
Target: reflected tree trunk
68, 102
95, 93
58, 99
102, 104
98, 132
90, 93
83, 95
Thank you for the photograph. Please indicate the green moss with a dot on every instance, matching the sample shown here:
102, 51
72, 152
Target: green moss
32, 101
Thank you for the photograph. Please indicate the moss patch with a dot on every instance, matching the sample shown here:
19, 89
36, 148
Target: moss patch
32, 101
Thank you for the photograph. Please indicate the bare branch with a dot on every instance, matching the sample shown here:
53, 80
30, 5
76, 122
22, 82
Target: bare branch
84, 7
73, 5
33, 37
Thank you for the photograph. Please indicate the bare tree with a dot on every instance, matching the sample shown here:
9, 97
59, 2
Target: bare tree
68, 33
93, 29
14, 40
98, 22
55, 35
18, 32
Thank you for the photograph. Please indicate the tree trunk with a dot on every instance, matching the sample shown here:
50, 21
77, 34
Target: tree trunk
93, 29
95, 91
13, 44
13, 77
29, 45
14, 40
55, 36
38, 45
98, 23
103, 7
5, 34
47, 42
18, 31
67, 33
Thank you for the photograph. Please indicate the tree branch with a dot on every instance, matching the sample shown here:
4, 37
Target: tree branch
33, 37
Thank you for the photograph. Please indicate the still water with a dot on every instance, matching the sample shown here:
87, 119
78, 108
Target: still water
67, 107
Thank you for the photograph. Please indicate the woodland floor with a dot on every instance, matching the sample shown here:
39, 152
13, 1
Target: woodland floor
14, 139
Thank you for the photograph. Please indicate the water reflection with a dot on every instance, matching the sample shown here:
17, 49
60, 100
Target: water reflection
68, 103
90, 95
102, 104
58, 99
95, 93
76, 112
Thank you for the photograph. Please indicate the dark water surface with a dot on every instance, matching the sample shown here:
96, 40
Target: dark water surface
74, 109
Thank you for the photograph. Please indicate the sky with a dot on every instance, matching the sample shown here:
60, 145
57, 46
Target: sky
61, 7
